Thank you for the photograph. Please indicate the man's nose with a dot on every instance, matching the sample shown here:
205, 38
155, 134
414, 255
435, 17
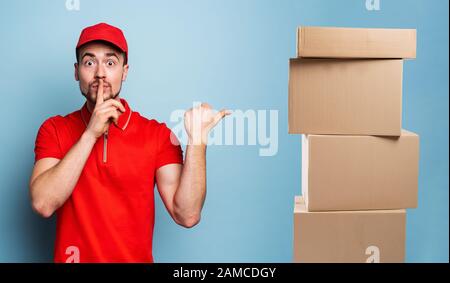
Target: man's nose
100, 72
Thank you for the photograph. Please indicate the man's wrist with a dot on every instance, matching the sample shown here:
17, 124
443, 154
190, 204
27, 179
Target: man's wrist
198, 145
198, 139
88, 137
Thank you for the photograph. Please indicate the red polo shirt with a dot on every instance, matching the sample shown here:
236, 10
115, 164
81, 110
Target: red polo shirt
110, 215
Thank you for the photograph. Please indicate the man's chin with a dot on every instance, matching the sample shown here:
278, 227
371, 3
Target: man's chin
93, 98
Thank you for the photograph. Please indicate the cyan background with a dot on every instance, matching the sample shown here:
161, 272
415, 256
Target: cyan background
233, 54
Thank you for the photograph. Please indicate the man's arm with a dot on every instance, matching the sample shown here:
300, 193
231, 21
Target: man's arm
183, 188
53, 180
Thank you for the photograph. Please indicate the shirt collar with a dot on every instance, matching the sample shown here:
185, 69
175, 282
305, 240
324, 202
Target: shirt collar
124, 119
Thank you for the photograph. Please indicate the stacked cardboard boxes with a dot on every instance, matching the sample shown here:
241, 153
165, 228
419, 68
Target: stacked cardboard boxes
359, 167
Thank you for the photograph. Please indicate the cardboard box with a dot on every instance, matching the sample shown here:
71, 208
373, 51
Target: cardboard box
347, 97
360, 172
348, 236
333, 42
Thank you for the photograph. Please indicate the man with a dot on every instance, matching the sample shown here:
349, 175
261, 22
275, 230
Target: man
97, 167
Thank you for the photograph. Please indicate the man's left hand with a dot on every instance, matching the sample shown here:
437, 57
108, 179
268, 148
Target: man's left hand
200, 120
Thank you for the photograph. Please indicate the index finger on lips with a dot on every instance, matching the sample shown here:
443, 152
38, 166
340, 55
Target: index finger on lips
99, 93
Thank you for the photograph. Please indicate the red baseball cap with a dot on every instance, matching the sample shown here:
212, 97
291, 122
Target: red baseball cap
104, 32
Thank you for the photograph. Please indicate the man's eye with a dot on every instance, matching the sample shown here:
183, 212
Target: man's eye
110, 63
89, 63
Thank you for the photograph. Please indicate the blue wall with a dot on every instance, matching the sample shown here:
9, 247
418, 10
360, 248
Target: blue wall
232, 54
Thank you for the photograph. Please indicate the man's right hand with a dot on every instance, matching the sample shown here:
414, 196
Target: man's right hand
104, 113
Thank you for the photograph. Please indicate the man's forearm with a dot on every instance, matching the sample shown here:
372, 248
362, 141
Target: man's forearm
52, 188
190, 195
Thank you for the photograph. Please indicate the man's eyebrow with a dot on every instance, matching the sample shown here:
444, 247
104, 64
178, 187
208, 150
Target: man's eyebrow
109, 54
112, 54
88, 54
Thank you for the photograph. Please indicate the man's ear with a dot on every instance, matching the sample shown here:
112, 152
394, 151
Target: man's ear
125, 72
76, 72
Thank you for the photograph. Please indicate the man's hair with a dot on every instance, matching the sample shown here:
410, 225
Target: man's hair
125, 59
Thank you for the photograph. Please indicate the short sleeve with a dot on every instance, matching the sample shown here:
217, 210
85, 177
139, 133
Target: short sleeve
169, 150
47, 143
